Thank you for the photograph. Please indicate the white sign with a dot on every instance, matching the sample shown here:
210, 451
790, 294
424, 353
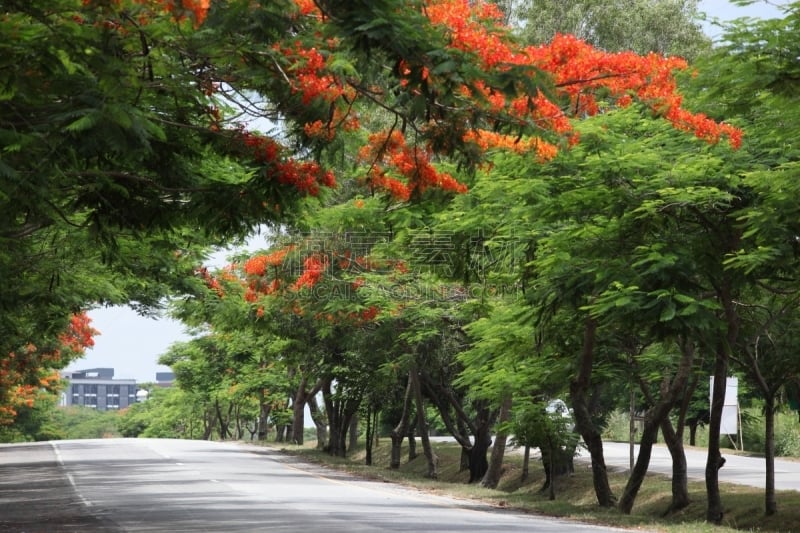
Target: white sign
730, 409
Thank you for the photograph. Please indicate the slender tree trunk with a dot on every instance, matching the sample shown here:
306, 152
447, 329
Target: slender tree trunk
640, 468
353, 430
526, 461
552, 481
714, 512
770, 503
280, 432
556, 462
263, 417
299, 410
670, 389
238, 420
579, 393
208, 424
320, 421
368, 437
412, 442
422, 424
221, 421
401, 429
337, 438
714, 460
680, 477
340, 412
492, 477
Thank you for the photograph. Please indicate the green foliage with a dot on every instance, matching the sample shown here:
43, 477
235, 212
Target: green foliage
541, 425
85, 423
45, 421
668, 27
40, 422
167, 413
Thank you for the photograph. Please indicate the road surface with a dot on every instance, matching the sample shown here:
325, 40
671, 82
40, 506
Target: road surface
144, 485
738, 469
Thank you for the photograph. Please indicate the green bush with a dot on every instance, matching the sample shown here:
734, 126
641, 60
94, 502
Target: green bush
787, 435
617, 427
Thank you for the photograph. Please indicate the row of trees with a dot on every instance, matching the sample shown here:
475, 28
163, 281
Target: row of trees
509, 222
641, 257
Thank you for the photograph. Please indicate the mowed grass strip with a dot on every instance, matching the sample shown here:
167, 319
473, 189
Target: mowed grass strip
575, 499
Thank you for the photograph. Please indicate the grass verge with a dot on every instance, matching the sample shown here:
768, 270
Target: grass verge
575, 499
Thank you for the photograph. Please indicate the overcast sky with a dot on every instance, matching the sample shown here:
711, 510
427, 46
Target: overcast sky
132, 344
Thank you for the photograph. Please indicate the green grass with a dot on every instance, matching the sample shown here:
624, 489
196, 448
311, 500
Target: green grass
575, 499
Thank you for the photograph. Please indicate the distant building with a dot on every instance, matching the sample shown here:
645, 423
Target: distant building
96, 388
165, 379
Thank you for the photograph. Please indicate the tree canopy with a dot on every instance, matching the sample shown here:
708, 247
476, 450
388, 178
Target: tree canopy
464, 217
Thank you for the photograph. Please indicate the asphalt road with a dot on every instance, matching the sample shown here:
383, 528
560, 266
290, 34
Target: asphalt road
143, 485
738, 469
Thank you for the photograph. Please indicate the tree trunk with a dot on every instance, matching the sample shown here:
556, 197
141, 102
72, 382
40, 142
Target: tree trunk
579, 393
670, 389
478, 465
221, 421
412, 443
422, 424
526, 461
492, 477
640, 468
320, 421
353, 430
208, 424
680, 477
263, 417
280, 432
464, 458
715, 461
340, 412
298, 411
368, 437
400, 430
770, 504
556, 462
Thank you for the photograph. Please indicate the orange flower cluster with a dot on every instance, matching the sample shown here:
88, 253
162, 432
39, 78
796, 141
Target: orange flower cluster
487, 140
263, 149
578, 70
580, 73
307, 7
257, 265
255, 269
388, 153
313, 268
305, 176
79, 335
211, 281
29, 373
309, 75
256, 288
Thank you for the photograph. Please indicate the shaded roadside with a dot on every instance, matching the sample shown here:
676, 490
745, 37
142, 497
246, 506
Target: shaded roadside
36, 496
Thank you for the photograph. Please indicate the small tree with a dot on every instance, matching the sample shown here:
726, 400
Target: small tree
549, 427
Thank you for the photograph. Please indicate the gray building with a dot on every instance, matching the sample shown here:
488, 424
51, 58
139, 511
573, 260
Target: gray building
165, 379
96, 388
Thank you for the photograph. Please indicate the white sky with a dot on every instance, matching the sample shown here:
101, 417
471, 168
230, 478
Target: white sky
132, 344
